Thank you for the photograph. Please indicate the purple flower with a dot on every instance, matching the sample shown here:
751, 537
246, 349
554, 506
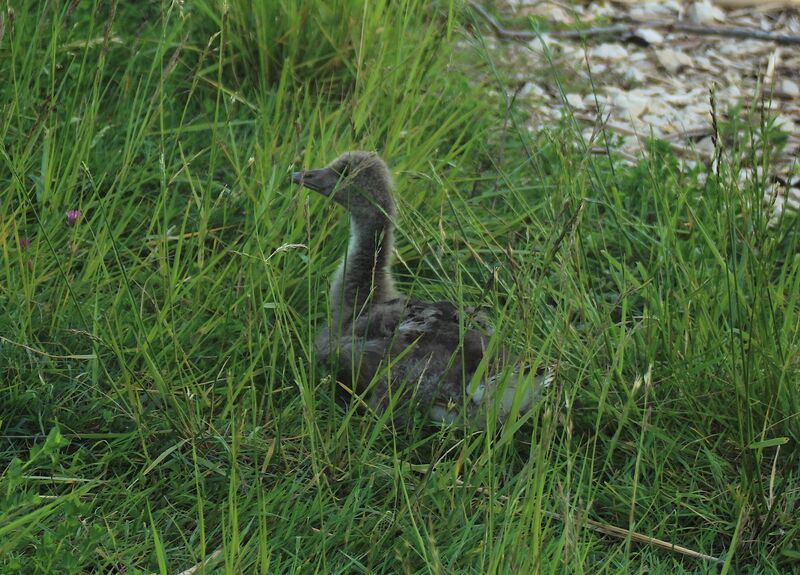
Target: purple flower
24, 242
73, 217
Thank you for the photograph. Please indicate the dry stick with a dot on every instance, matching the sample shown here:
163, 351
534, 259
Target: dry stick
194, 569
732, 32
622, 533
630, 29
639, 538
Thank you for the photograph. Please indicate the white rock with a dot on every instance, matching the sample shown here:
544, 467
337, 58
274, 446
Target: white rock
650, 36
776, 202
703, 62
631, 104
632, 143
534, 90
608, 52
704, 12
592, 100
744, 175
659, 107
748, 174
654, 10
558, 14
673, 60
650, 92
741, 48
700, 110
634, 74
576, 53
785, 123
705, 147
575, 101
602, 9
794, 198
678, 98
733, 91
789, 88
660, 122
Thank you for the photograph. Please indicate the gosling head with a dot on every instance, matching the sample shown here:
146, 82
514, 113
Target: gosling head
359, 181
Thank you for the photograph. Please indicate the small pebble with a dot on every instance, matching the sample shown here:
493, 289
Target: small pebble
789, 88
575, 101
704, 13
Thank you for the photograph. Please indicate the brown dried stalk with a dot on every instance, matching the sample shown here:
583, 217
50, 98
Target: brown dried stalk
622, 533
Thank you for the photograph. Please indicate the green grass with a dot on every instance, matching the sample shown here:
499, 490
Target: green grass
160, 405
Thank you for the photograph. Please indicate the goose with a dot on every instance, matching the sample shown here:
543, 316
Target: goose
414, 355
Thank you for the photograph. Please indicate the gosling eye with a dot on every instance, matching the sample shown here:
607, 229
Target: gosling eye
343, 171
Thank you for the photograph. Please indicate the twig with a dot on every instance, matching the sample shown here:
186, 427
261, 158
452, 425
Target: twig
622, 533
629, 29
733, 32
44, 353
526, 35
194, 569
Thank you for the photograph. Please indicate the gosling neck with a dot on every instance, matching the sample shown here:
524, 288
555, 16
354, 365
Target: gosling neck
365, 277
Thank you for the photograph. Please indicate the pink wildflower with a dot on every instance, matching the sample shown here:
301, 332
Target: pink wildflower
73, 217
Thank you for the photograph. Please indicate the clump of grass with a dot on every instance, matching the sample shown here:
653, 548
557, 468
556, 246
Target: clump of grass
161, 409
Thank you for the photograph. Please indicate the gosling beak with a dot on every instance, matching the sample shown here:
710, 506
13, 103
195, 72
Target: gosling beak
322, 181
